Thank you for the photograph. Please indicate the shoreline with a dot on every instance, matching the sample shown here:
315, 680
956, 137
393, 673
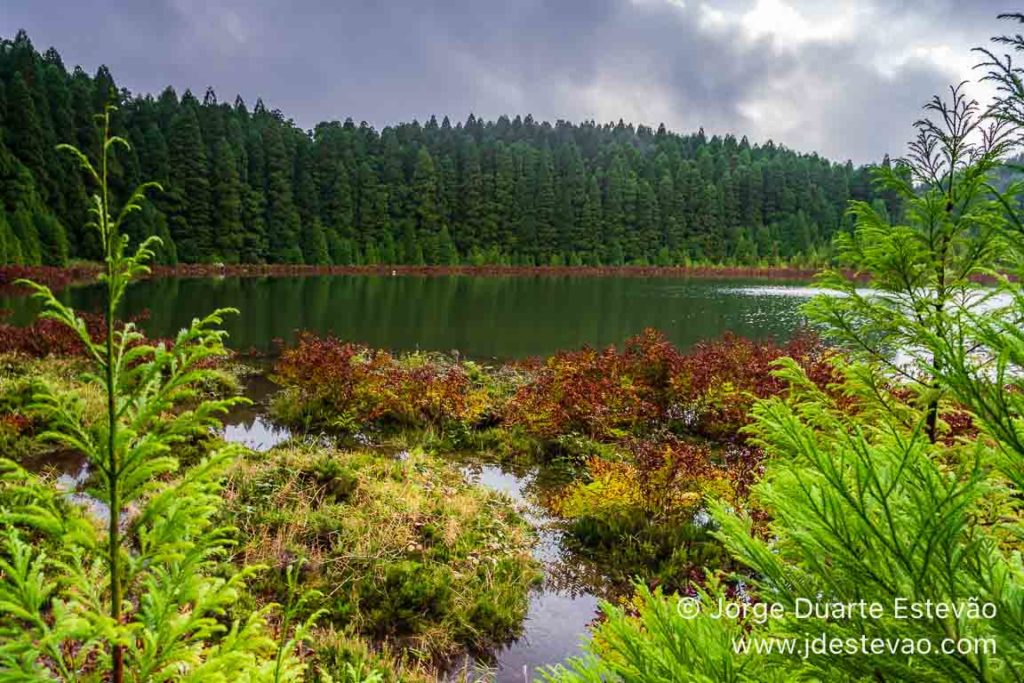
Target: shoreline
60, 277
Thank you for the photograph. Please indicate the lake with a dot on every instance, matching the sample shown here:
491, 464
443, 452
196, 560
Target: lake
480, 316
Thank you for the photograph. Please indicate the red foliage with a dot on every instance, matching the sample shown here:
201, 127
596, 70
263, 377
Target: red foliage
718, 382
354, 382
662, 465
46, 337
650, 387
588, 392
51, 276
14, 423
961, 425
669, 463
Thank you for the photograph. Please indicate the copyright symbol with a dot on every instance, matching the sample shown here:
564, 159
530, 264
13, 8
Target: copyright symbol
688, 608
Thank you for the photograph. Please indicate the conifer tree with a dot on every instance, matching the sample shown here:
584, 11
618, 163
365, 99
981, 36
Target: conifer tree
424, 197
26, 138
337, 202
503, 196
471, 213
188, 195
10, 247
314, 243
136, 598
283, 223
53, 241
227, 205
24, 227
924, 267
545, 228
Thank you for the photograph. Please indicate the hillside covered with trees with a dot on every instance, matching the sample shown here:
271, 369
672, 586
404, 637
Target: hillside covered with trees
246, 185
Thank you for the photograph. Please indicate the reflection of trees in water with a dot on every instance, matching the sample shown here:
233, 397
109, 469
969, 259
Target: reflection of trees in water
483, 317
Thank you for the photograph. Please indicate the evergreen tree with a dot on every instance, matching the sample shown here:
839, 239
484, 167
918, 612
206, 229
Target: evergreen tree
23, 226
25, 131
545, 226
84, 598
424, 202
283, 223
53, 240
227, 205
471, 214
187, 198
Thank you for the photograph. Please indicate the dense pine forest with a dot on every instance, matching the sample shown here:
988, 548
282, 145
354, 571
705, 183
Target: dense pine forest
247, 185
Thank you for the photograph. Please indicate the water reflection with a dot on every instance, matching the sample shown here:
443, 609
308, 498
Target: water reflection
563, 606
483, 317
249, 425
71, 473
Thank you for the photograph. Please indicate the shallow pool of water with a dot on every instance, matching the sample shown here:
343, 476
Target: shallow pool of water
560, 611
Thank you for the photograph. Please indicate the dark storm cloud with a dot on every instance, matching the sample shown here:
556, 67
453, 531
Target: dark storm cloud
842, 78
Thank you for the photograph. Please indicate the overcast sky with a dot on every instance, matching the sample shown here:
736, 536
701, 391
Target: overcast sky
844, 78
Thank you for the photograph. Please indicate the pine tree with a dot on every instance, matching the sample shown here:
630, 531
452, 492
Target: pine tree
546, 230
25, 136
503, 203
614, 209
447, 254
53, 240
10, 246
424, 198
926, 267
336, 200
471, 214
283, 223
24, 228
227, 205
187, 199
314, 243
587, 236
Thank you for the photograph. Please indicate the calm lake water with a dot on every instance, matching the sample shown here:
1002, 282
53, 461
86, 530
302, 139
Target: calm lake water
481, 317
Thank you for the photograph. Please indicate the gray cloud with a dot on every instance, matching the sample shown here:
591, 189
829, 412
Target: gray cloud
844, 78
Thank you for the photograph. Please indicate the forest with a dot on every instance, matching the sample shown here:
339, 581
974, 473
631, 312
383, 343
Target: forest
248, 185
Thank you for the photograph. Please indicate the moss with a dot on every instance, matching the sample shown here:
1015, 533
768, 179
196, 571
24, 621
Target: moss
403, 549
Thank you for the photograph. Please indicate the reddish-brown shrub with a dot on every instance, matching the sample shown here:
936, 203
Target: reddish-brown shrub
339, 384
588, 392
718, 382
46, 337
650, 387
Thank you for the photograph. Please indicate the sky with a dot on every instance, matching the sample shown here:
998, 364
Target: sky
844, 78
